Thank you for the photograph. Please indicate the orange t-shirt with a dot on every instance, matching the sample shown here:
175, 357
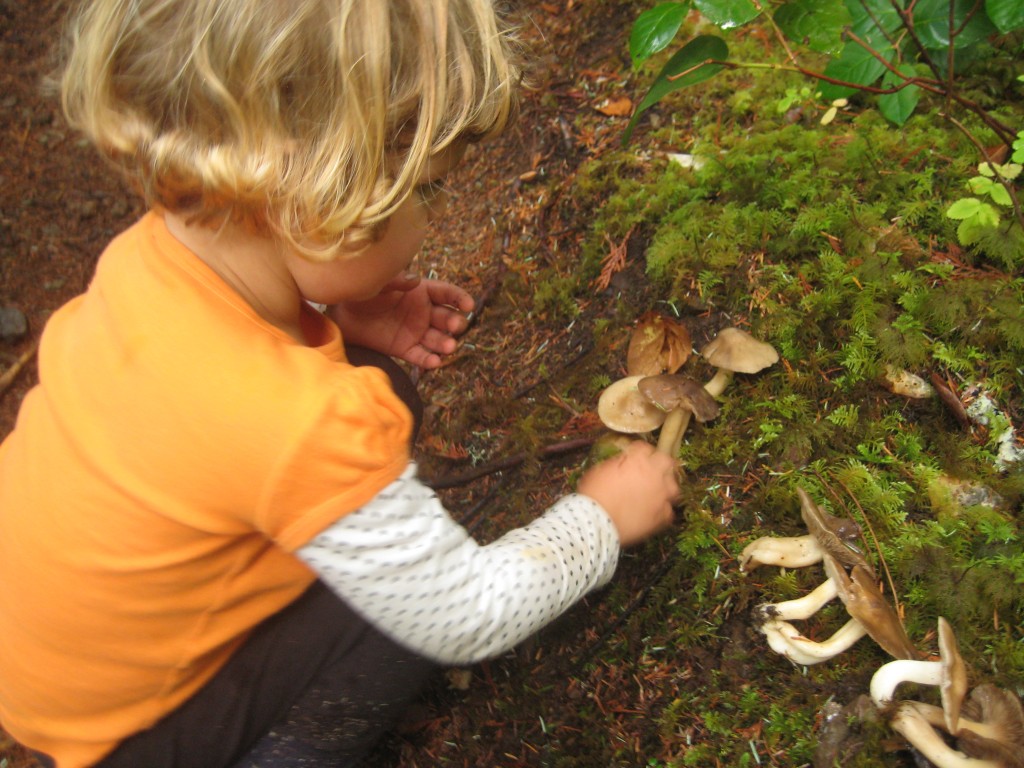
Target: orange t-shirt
177, 450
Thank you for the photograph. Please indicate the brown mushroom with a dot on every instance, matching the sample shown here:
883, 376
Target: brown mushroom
680, 398
735, 351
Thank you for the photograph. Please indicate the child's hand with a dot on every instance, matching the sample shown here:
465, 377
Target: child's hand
636, 489
412, 319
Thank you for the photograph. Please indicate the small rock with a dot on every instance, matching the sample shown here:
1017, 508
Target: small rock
13, 324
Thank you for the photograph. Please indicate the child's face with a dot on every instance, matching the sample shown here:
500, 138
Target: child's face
362, 277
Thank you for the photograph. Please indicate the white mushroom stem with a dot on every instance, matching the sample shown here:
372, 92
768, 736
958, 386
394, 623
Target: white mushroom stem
719, 382
786, 639
671, 435
936, 717
888, 677
917, 730
802, 607
784, 551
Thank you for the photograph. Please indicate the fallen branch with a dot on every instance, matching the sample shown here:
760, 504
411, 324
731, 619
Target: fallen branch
508, 462
7, 377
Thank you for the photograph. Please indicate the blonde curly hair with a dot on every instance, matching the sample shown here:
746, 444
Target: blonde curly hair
311, 120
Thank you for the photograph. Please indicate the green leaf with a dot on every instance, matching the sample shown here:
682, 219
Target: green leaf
693, 59
972, 228
931, 22
818, 24
897, 107
854, 65
1007, 15
1008, 171
987, 216
727, 13
980, 185
964, 208
873, 19
654, 29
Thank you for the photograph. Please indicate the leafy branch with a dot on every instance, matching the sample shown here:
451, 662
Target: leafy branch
892, 50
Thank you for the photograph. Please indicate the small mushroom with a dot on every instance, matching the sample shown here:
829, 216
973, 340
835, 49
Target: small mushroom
680, 398
735, 351
949, 673
622, 408
912, 725
865, 603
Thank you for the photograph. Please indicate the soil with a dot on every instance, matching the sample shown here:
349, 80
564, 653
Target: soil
60, 204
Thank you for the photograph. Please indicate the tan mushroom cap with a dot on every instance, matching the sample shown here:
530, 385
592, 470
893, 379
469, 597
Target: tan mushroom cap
736, 350
622, 408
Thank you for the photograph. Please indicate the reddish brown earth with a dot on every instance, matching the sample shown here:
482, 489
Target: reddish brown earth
59, 205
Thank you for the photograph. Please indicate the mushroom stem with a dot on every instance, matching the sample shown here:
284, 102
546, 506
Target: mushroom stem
936, 717
671, 436
786, 639
888, 677
784, 551
915, 729
801, 607
719, 382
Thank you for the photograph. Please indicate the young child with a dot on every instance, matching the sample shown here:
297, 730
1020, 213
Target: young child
213, 546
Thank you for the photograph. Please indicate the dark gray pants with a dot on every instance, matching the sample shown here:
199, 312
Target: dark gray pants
314, 685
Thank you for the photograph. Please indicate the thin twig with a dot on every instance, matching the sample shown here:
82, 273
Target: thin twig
878, 549
508, 462
7, 377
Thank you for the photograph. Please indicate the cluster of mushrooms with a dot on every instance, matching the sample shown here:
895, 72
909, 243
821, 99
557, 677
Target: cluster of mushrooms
641, 403
986, 723
981, 727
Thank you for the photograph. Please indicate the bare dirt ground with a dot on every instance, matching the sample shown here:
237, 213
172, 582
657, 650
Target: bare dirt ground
59, 205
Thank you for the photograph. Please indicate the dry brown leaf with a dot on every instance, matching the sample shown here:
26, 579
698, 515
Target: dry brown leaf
620, 107
658, 345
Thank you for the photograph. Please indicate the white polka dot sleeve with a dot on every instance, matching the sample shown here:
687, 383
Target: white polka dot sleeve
404, 564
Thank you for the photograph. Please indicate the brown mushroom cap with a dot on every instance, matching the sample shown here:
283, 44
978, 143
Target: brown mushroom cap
1001, 712
836, 535
671, 391
622, 408
953, 687
865, 603
738, 351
